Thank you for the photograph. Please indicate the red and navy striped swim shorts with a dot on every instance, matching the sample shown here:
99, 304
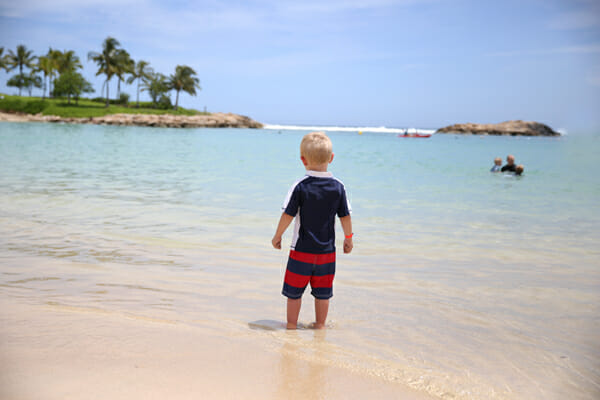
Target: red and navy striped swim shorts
302, 268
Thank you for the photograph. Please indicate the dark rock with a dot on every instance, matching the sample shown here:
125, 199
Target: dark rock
514, 128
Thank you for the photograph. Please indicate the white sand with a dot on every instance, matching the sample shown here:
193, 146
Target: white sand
8, 117
60, 354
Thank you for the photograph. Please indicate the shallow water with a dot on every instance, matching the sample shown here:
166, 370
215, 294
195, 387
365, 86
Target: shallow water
463, 284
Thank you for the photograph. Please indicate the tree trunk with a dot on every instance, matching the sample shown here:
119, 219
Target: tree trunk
107, 103
176, 100
138, 94
21, 76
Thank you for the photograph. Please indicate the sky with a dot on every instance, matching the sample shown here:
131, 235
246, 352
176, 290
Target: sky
394, 63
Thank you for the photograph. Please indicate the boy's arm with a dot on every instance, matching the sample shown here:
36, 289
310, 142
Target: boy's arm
284, 222
347, 227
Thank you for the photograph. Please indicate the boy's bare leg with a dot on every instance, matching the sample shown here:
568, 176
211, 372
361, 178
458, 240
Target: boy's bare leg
293, 310
321, 310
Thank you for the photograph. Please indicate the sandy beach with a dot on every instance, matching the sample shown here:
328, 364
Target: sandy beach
10, 117
51, 352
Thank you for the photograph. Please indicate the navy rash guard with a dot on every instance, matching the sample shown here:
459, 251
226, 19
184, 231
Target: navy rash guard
315, 200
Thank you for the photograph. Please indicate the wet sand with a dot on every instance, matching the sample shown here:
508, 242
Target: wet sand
51, 353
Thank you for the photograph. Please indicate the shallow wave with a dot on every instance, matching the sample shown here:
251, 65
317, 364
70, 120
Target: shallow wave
380, 129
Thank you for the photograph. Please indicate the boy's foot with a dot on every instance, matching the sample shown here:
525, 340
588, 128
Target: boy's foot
316, 325
291, 326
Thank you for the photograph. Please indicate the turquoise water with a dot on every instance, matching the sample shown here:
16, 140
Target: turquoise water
463, 283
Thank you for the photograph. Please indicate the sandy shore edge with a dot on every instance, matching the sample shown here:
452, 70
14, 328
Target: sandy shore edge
54, 354
214, 120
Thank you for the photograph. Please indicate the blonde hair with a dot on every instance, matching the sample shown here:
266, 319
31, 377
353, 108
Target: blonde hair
316, 148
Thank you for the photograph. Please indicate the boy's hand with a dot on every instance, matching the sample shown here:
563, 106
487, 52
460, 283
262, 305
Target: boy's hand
276, 242
284, 222
348, 245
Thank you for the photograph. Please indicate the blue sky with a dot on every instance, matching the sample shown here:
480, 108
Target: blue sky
394, 63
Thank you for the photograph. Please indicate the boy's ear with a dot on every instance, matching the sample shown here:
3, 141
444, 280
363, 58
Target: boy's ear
303, 160
331, 160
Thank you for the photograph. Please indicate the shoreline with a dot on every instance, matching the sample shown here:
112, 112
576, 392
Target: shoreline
215, 120
56, 353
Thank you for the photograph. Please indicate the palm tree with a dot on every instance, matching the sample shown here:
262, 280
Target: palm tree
107, 60
67, 61
3, 64
124, 65
156, 86
141, 71
32, 80
54, 56
184, 79
22, 58
46, 65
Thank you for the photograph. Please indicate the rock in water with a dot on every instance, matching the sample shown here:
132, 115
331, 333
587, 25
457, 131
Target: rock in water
214, 120
513, 128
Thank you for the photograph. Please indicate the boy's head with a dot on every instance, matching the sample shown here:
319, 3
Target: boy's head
519, 169
498, 161
316, 149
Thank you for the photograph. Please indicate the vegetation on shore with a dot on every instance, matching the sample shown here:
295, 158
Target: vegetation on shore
57, 73
85, 108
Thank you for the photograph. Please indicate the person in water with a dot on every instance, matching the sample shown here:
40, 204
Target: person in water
519, 169
497, 165
313, 201
510, 164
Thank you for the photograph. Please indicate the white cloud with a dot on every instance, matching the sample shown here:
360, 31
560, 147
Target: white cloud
336, 6
200, 15
28, 8
578, 49
574, 20
583, 49
593, 77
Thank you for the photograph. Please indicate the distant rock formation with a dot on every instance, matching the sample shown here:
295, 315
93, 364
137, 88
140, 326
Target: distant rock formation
215, 120
513, 128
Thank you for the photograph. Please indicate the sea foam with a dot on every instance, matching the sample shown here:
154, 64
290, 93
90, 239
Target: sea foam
380, 129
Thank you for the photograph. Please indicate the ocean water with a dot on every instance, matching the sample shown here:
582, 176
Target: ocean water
462, 284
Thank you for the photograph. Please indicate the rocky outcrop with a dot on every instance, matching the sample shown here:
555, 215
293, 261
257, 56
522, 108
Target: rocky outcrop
215, 120
513, 128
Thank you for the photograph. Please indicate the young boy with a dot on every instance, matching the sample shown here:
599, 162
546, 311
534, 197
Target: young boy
314, 201
497, 165
519, 169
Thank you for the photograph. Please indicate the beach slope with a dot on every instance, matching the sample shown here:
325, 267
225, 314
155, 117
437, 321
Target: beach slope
50, 352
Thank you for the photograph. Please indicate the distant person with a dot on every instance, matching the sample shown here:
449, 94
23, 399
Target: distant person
510, 164
314, 201
497, 165
519, 169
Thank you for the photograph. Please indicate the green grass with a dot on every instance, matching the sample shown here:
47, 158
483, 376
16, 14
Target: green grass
85, 109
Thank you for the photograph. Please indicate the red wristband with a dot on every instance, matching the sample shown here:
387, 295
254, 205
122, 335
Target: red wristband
349, 236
